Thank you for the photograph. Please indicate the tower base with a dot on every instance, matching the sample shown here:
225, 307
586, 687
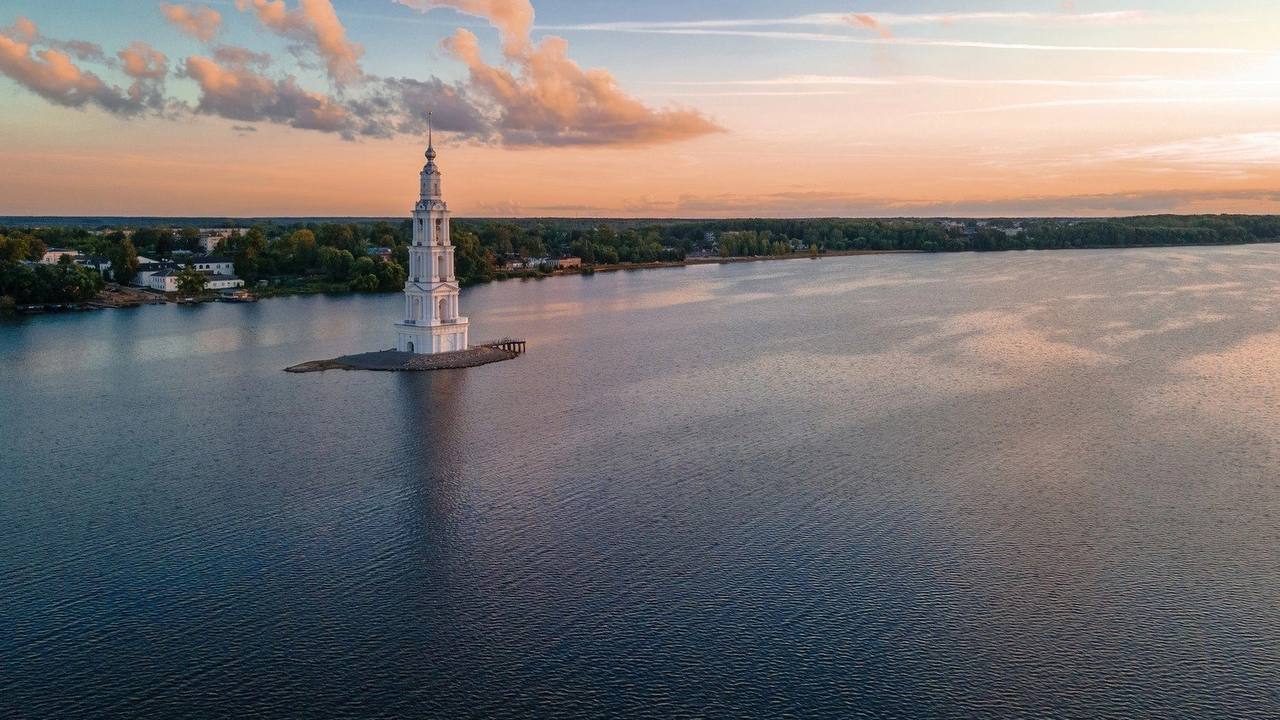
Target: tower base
432, 339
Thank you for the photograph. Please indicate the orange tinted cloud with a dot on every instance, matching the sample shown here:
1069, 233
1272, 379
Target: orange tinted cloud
316, 24
538, 97
552, 100
52, 75
512, 18
200, 22
556, 102
869, 22
142, 61
24, 30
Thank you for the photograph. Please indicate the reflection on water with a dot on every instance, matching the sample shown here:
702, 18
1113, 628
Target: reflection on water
1032, 484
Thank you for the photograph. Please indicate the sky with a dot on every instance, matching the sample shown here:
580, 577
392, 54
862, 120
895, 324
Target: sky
659, 108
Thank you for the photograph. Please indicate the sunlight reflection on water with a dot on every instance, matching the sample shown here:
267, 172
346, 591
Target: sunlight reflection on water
1026, 484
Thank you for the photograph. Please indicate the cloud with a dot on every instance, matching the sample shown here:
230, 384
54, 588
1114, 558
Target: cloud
26, 32
870, 22
771, 28
819, 203
237, 92
148, 67
549, 99
1119, 101
200, 22
1215, 151
1121, 18
235, 55
23, 30
315, 25
907, 80
234, 84
52, 75
538, 97
828, 204
512, 18
143, 62
79, 49
914, 41
873, 19
401, 105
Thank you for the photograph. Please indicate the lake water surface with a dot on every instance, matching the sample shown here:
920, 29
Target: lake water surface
1005, 485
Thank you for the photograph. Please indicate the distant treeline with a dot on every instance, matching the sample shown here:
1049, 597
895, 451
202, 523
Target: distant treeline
338, 253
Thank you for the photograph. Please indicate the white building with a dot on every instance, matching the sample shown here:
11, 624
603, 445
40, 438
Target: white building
215, 265
432, 321
167, 281
148, 267
210, 237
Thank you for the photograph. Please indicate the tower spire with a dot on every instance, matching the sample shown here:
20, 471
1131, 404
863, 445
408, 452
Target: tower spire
431, 148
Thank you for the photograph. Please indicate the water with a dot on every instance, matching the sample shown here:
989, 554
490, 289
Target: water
1017, 485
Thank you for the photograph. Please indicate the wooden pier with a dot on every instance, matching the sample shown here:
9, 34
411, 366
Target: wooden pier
512, 346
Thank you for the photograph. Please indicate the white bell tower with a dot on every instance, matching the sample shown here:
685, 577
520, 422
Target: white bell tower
433, 322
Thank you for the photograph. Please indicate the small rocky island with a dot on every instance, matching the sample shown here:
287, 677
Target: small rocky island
394, 361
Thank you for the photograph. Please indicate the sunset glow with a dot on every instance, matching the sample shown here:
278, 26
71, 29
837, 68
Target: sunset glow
657, 109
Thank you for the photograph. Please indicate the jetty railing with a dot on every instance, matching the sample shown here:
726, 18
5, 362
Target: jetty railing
511, 345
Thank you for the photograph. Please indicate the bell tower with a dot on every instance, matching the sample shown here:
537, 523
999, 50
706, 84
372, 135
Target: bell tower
433, 321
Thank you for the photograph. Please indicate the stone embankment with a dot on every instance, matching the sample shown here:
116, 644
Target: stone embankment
392, 361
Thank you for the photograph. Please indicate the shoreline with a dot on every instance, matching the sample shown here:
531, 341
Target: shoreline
587, 270
119, 297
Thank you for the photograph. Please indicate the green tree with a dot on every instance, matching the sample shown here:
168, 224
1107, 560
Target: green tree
21, 246
365, 283
189, 239
342, 237
303, 246
335, 263
155, 240
124, 260
249, 249
191, 281
607, 255
391, 276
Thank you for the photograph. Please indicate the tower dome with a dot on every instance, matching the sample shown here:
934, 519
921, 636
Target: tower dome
431, 176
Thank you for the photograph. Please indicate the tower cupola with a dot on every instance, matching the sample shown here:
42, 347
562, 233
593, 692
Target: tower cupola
431, 176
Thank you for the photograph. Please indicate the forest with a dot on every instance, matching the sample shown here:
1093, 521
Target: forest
319, 255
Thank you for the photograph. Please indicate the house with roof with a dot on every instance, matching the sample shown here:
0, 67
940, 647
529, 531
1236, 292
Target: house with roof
53, 255
97, 262
210, 237
213, 264
167, 281
148, 267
